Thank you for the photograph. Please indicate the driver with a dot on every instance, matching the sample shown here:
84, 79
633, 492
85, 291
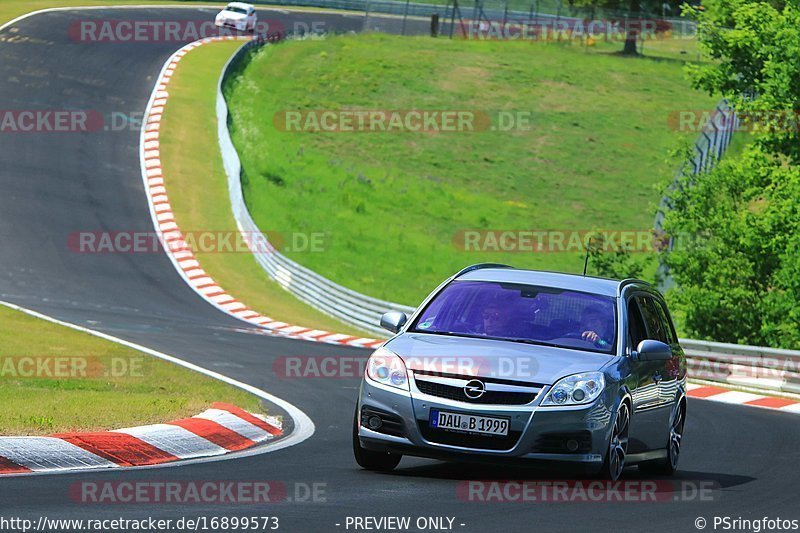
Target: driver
503, 318
496, 319
596, 327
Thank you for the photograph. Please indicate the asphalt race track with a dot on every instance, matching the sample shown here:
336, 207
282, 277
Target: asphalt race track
53, 184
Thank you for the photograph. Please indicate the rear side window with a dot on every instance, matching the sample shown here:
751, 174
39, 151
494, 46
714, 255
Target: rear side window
667, 326
656, 327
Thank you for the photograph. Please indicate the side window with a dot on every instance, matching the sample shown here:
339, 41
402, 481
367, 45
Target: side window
666, 323
652, 320
636, 329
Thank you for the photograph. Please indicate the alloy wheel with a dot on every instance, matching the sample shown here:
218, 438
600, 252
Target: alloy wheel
618, 447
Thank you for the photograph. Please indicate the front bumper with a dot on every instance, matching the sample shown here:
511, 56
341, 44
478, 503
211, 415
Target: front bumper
536, 434
234, 25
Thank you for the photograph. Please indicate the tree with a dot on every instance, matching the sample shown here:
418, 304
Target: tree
753, 47
608, 262
736, 263
630, 13
735, 259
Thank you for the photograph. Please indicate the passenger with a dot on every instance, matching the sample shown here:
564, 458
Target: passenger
596, 326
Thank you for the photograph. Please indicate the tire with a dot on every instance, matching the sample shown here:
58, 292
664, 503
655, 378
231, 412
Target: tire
614, 463
668, 465
371, 460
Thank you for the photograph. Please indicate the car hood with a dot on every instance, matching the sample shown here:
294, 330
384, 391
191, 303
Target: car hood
230, 15
493, 358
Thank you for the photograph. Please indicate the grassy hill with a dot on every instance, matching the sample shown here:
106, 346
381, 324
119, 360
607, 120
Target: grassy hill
391, 204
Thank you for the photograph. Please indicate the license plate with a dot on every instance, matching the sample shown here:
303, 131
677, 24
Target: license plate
488, 425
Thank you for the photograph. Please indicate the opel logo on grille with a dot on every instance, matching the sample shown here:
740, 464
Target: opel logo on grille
474, 389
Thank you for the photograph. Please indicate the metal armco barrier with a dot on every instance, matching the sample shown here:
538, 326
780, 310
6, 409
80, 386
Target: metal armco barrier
765, 369
321, 293
754, 367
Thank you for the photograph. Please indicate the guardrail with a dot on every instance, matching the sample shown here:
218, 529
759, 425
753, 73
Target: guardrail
750, 367
350, 307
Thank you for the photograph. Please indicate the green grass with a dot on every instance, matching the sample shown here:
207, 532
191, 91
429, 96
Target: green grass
198, 191
391, 203
120, 387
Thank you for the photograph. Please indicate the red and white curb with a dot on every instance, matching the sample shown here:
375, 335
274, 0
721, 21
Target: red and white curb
219, 430
720, 394
184, 260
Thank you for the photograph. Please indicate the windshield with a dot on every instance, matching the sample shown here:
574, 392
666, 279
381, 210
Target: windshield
522, 313
235, 9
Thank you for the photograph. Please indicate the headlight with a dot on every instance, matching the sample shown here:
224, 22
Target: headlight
386, 368
577, 389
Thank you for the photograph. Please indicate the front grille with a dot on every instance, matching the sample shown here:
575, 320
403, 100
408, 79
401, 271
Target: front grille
489, 397
557, 442
466, 440
392, 424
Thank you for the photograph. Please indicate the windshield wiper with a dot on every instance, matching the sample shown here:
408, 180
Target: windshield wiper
450, 333
531, 341
478, 336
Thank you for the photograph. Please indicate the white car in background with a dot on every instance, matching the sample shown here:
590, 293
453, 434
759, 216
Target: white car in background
239, 16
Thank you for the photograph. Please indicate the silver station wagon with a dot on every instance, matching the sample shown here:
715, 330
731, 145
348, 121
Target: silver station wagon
506, 364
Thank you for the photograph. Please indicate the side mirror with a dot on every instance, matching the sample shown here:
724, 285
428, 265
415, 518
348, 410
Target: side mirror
651, 350
394, 321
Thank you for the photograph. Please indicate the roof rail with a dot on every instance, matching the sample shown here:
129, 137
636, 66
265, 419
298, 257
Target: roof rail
631, 281
480, 266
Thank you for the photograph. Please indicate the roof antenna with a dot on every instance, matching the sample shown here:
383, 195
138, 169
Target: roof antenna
586, 260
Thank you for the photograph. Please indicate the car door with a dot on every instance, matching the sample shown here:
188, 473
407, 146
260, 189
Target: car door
646, 420
675, 375
657, 330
